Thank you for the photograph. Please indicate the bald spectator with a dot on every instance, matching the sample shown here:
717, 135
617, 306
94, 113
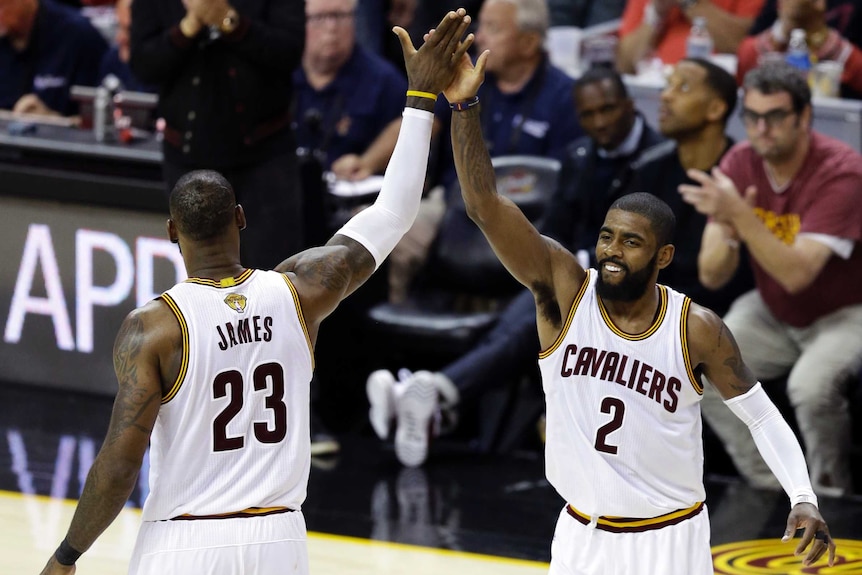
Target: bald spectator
45, 49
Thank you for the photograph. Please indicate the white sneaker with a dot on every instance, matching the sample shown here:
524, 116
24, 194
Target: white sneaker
415, 403
378, 387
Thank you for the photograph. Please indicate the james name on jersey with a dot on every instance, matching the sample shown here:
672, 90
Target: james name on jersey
245, 330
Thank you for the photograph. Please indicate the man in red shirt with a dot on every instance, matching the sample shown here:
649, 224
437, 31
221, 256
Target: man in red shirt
804, 320
660, 27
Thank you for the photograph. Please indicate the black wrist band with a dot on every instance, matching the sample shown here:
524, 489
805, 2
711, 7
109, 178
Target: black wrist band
66, 554
461, 106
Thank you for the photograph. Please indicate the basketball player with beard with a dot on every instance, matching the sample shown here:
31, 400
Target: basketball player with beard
623, 366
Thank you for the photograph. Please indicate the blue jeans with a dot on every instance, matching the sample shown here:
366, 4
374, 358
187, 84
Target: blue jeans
510, 349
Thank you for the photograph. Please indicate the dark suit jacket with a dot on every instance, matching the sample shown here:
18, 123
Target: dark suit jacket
225, 100
588, 186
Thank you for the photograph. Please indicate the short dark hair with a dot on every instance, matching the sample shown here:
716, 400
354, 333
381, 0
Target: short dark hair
779, 76
653, 208
597, 74
721, 82
202, 204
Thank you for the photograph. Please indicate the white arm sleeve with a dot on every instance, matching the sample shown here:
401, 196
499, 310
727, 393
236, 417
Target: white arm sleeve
380, 226
776, 443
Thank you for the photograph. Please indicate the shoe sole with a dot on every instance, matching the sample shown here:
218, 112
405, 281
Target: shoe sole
325, 447
414, 410
378, 388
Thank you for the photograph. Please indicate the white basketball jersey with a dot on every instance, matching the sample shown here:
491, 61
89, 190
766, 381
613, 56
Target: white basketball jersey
623, 414
233, 432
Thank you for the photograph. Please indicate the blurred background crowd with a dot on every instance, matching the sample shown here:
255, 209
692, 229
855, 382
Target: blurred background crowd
299, 104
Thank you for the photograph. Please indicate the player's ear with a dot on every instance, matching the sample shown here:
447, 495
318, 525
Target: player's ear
239, 215
665, 256
172, 231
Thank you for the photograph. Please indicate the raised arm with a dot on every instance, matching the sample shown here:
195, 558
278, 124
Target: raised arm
324, 276
715, 354
115, 469
539, 263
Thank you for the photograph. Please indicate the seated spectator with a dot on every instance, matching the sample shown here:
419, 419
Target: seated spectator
693, 113
344, 95
526, 102
842, 15
584, 13
45, 49
616, 135
825, 43
804, 319
660, 28
526, 109
116, 60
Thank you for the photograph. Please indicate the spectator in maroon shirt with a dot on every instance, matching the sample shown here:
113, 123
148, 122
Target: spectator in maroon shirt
804, 319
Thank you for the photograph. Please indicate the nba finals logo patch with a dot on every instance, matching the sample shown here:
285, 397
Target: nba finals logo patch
236, 302
772, 557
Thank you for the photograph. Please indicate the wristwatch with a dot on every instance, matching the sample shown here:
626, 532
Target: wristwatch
230, 21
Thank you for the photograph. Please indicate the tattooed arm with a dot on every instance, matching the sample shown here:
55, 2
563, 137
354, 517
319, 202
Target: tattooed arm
714, 353
115, 470
550, 271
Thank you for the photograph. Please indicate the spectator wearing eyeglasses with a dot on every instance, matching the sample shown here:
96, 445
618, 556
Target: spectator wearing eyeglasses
793, 198
346, 115
344, 95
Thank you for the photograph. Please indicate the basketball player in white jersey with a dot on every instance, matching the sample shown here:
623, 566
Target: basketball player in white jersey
215, 373
623, 364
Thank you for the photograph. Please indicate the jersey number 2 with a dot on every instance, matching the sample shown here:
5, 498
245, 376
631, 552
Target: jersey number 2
231, 381
617, 408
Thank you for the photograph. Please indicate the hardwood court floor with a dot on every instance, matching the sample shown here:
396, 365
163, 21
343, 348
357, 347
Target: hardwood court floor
461, 514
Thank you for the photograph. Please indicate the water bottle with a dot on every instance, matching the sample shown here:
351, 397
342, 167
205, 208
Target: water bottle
699, 42
101, 109
797, 51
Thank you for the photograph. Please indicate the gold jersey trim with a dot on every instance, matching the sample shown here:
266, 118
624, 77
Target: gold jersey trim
184, 364
683, 332
565, 330
637, 525
300, 315
250, 512
639, 336
224, 282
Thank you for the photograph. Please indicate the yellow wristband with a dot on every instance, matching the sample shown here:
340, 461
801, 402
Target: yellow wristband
419, 94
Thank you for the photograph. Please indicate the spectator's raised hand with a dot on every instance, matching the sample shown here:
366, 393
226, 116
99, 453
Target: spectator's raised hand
716, 196
433, 66
209, 12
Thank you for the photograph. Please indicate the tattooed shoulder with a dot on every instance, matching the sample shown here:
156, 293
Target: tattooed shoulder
334, 266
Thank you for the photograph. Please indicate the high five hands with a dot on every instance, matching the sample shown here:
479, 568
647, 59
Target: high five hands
468, 76
433, 66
